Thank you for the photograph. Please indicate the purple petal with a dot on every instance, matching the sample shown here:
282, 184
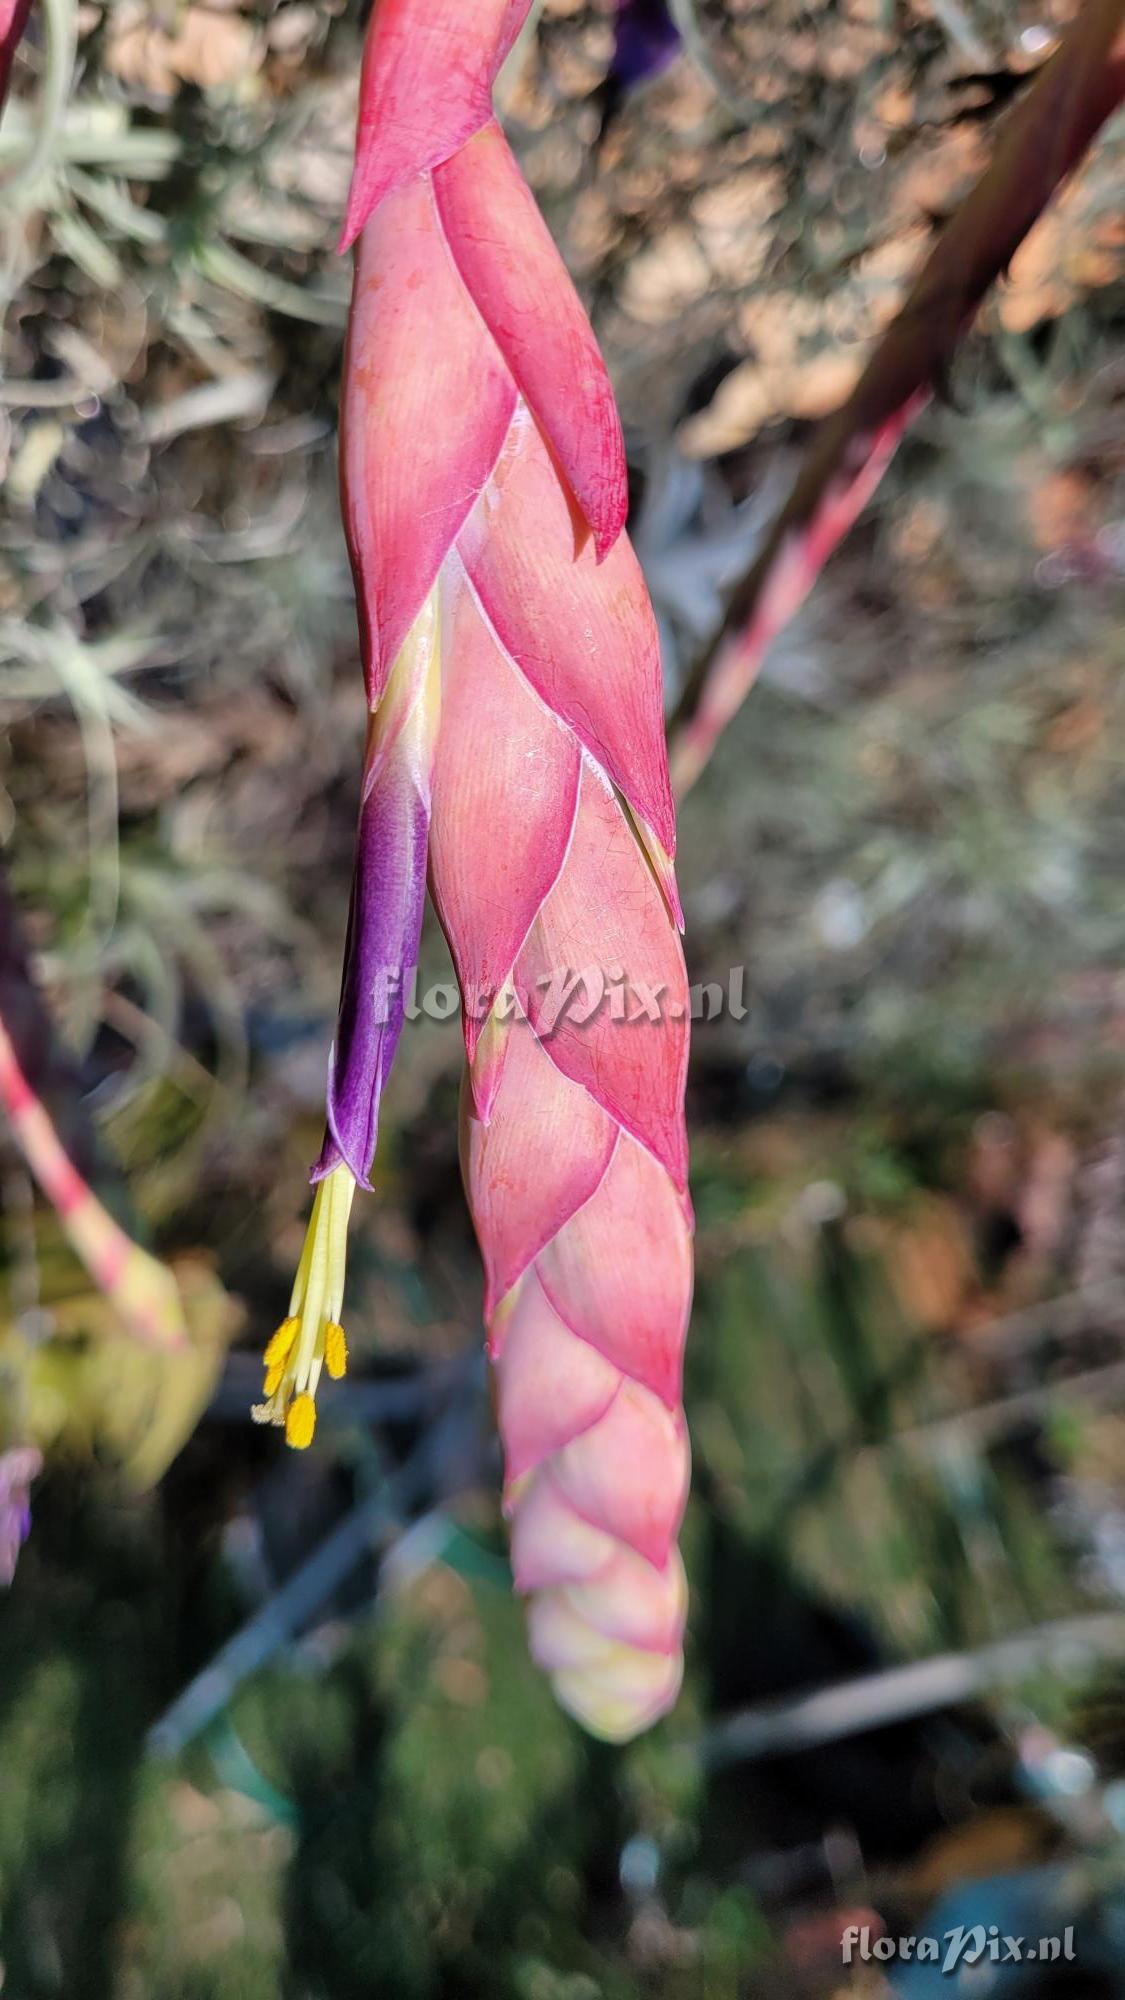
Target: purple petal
380, 955
647, 40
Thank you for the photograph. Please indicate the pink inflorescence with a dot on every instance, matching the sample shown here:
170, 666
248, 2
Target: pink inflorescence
517, 738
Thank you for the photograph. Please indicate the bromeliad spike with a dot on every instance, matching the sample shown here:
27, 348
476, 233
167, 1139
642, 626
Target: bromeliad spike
516, 737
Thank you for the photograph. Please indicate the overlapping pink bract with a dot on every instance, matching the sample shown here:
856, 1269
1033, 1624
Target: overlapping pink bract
483, 472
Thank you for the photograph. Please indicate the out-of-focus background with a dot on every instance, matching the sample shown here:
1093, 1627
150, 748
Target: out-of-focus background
267, 1721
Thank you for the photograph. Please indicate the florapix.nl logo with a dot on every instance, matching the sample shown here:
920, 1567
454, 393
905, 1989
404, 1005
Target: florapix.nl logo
952, 1950
569, 994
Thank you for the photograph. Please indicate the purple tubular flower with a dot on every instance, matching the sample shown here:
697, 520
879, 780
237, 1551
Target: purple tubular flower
388, 898
647, 41
18, 1468
384, 925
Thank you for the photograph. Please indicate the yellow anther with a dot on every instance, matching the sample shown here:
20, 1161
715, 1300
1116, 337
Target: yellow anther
335, 1350
300, 1422
272, 1382
281, 1345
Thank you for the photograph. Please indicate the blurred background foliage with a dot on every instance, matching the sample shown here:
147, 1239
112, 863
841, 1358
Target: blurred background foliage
271, 1726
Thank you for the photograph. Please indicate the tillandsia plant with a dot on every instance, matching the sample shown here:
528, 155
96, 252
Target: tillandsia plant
516, 745
140, 1395
1078, 89
141, 1291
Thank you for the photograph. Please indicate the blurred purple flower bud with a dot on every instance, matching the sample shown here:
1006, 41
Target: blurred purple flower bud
18, 1468
647, 41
